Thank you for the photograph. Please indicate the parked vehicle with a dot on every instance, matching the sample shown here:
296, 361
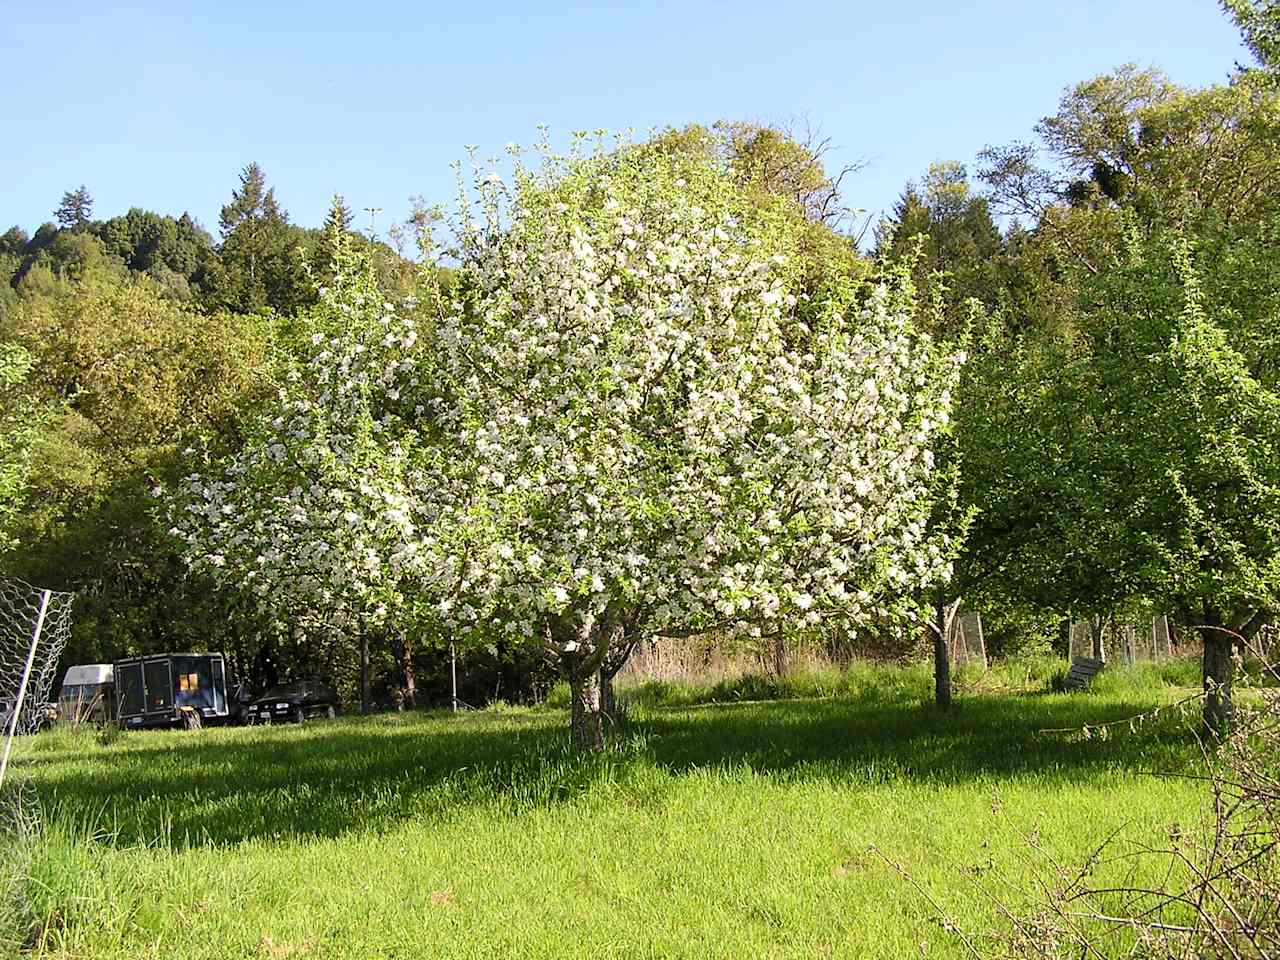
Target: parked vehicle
42, 715
239, 703
171, 689
88, 694
294, 702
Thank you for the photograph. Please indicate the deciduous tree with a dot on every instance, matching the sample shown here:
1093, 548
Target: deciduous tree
620, 417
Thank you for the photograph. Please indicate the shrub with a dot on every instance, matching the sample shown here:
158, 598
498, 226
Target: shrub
1220, 895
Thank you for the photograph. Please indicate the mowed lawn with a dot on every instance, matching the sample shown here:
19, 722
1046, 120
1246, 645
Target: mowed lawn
753, 829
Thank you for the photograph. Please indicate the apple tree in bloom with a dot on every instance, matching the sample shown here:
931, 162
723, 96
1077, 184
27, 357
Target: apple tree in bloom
619, 421
320, 515
652, 435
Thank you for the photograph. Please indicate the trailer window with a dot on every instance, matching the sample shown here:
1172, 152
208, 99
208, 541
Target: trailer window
195, 681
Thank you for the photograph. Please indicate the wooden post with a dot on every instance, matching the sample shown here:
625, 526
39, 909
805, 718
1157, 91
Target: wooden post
453, 677
364, 672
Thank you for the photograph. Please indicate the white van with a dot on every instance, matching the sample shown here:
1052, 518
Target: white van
88, 693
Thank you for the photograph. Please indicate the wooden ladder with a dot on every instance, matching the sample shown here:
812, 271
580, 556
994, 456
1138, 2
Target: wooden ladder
1082, 672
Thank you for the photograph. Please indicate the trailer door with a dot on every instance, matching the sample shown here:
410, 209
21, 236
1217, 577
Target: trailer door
219, 686
129, 689
159, 682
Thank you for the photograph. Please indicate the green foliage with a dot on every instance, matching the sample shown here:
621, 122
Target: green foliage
128, 377
1132, 140
1133, 460
19, 430
1184, 442
1021, 632
147, 373
340, 217
946, 232
769, 163
1259, 22
64, 256
176, 253
13, 241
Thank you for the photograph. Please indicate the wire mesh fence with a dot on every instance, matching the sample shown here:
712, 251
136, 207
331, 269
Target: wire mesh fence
34, 627
1120, 639
967, 642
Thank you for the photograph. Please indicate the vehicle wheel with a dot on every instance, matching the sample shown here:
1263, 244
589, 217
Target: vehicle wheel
190, 719
299, 715
330, 711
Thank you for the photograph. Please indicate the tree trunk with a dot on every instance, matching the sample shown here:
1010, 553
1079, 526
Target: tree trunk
364, 673
1218, 674
780, 655
406, 669
941, 656
581, 643
608, 699
1099, 650
586, 726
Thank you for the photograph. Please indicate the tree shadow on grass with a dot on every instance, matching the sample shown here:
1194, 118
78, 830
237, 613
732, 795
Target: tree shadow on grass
332, 778
980, 738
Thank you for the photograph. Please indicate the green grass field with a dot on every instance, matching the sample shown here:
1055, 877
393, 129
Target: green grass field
730, 829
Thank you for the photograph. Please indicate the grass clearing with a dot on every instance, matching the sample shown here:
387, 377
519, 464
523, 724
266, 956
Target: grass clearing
708, 829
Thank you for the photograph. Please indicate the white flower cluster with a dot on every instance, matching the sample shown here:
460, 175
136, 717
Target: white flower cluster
617, 407
322, 509
656, 430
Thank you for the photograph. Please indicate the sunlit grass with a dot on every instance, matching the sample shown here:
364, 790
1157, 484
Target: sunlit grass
709, 829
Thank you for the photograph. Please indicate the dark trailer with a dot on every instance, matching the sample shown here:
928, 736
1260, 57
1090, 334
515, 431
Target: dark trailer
171, 689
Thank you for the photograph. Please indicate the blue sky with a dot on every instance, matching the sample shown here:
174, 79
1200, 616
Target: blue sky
159, 105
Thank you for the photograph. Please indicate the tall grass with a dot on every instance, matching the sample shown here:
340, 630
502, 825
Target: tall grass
723, 821
51, 875
865, 681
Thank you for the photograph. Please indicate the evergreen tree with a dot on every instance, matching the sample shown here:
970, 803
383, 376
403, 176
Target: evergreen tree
958, 240
76, 210
175, 253
259, 266
340, 215
253, 202
337, 231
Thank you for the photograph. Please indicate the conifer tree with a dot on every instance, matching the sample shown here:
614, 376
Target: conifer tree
258, 265
340, 215
76, 209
